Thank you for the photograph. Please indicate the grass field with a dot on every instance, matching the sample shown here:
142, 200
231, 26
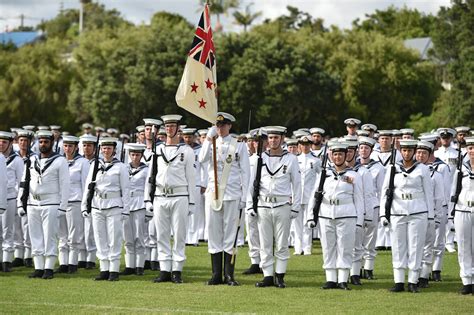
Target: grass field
132, 294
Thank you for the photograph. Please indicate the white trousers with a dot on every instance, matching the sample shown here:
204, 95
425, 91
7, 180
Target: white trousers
370, 239
171, 218
450, 235
222, 227
253, 238
62, 237
43, 227
274, 230
383, 236
107, 225
439, 244
134, 239
89, 240
22, 240
358, 251
302, 236
427, 260
201, 224
8, 233
408, 235
195, 220
75, 239
464, 225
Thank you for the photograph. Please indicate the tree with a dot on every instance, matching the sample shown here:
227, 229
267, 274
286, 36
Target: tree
219, 7
246, 18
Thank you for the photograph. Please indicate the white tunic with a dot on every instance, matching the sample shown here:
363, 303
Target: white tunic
466, 197
310, 167
15, 165
137, 186
3, 183
78, 171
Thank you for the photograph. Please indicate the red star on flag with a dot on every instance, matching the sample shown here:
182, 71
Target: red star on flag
202, 103
209, 84
194, 87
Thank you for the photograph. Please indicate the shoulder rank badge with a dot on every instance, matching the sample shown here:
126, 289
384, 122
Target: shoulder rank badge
236, 156
284, 169
311, 164
182, 157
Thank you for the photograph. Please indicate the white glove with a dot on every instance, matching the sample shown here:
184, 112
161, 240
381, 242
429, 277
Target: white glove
85, 214
148, 216
21, 212
125, 217
242, 205
149, 206
212, 132
293, 214
251, 212
311, 224
384, 221
191, 209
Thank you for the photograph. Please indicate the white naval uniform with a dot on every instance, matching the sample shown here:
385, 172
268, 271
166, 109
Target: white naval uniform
174, 197
13, 173
151, 250
89, 254
310, 167
464, 223
110, 206
203, 233
279, 185
412, 200
3, 193
48, 199
71, 226
134, 227
22, 240
251, 225
341, 210
222, 224
197, 217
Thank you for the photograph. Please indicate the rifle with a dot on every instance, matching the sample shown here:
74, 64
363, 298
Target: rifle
91, 187
154, 167
258, 175
122, 151
57, 149
319, 194
26, 183
391, 183
455, 197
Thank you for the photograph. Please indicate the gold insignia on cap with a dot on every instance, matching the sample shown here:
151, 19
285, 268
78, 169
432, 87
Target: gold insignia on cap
220, 118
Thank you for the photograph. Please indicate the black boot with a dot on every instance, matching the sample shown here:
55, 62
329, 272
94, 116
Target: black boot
369, 274
81, 264
139, 271
229, 270
355, 280
398, 287
103, 275
147, 265
128, 271
62, 269
38, 273
7, 266
413, 287
280, 282
165, 276
48, 274
436, 275
18, 262
90, 265
29, 262
329, 285
155, 265
253, 269
423, 283
466, 289
266, 282
216, 262
72, 269
176, 277
343, 286
113, 276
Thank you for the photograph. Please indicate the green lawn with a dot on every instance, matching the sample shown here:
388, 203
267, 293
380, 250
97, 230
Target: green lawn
80, 294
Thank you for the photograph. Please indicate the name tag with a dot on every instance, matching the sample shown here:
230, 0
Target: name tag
347, 179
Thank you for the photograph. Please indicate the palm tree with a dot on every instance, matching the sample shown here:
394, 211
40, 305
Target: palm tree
219, 7
246, 18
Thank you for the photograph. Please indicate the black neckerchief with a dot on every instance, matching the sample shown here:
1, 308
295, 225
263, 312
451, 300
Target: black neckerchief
357, 166
407, 171
336, 174
134, 171
104, 168
281, 166
163, 156
48, 163
387, 160
74, 159
11, 157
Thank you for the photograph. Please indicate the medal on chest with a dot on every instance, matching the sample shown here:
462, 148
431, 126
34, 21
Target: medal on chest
347, 179
284, 169
228, 160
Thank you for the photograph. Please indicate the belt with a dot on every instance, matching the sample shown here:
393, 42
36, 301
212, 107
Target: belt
409, 196
137, 193
40, 197
337, 202
274, 199
468, 203
170, 191
108, 194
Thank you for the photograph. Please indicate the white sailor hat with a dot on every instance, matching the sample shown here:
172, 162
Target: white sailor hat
28, 127
181, 127
351, 141
88, 139
55, 127
171, 119
124, 136
15, 130
363, 133
6, 135
332, 141
43, 128
396, 133
225, 117
87, 126
386, 133
202, 132
317, 130
24, 133
135, 147
305, 130
425, 145
112, 131
249, 136
275, 130
369, 127
408, 143
99, 128
152, 122
300, 133
71, 139
65, 133
469, 141
188, 131
352, 121
291, 141
407, 131
108, 141
338, 146
429, 136
462, 129
44, 134
140, 128
446, 132
262, 132
367, 141
305, 140
162, 131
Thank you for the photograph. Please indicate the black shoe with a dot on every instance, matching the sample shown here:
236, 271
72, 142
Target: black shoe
113, 276
7, 266
103, 275
380, 248
389, 248
48, 274
466, 289
72, 269
398, 287
229, 270
436, 275
38, 273
81, 264
90, 265
165, 276
355, 280
18, 262
216, 263
139, 271
253, 269
29, 262
62, 269
147, 265
176, 277
279, 281
413, 287
128, 271
369, 274
329, 285
343, 286
155, 265
266, 282
423, 283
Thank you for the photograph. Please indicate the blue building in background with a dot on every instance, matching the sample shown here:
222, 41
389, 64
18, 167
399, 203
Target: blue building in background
19, 38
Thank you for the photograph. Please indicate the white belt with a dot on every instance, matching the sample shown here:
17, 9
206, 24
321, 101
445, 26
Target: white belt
409, 196
108, 194
274, 199
337, 201
468, 203
40, 197
170, 191
137, 193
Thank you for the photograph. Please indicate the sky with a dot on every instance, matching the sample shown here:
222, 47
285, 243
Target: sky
334, 12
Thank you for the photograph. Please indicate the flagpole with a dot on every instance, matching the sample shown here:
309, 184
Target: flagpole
214, 160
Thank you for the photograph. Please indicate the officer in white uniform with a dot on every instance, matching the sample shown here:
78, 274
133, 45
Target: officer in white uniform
341, 210
110, 206
6, 266
134, 228
412, 201
464, 220
174, 200
48, 199
233, 172
279, 202
204, 176
12, 176
317, 136
352, 125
